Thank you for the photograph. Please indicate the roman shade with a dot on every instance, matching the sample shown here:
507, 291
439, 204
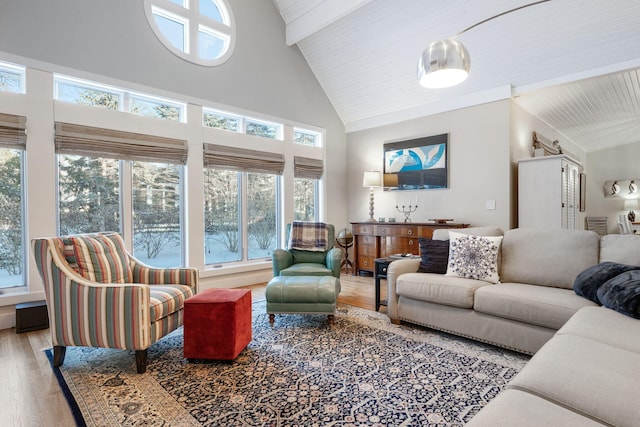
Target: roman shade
304, 167
92, 141
242, 159
13, 131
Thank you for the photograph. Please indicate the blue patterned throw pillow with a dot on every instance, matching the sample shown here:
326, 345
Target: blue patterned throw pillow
474, 257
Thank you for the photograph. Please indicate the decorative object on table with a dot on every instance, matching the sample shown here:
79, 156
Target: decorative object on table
416, 164
371, 179
440, 220
446, 62
403, 256
345, 241
630, 205
407, 210
392, 219
381, 219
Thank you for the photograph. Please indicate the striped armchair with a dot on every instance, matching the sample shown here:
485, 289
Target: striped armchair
100, 296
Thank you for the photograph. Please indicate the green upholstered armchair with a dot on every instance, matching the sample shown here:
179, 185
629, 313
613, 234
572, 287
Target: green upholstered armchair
293, 262
100, 296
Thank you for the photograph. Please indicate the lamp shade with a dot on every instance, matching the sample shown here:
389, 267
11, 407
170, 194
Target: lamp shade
372, 179
444, 63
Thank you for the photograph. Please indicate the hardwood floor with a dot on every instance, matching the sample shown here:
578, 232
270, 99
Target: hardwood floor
30, 394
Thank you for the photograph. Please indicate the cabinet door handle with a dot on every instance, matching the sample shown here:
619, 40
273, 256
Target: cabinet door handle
411, 242
410, 232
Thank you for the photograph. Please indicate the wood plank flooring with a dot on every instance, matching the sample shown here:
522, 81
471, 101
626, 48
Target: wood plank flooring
30, 394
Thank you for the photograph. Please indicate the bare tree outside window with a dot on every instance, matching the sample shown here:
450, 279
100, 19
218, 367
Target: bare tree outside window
11, 240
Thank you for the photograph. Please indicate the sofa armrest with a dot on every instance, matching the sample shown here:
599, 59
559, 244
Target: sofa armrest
395, 269
280, 260
148, 275
334, 261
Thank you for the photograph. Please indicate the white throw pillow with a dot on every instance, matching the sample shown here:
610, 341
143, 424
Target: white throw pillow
474, 257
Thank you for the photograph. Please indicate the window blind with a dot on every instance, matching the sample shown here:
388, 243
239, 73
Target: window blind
304, 167
242, 159
13, 131
99, 142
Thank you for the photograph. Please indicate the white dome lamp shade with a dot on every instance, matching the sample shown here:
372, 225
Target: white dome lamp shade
444, 63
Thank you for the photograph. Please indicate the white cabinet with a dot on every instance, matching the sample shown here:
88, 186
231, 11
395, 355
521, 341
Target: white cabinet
548, 192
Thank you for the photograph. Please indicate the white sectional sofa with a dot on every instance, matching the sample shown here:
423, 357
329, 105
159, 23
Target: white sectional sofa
586, 365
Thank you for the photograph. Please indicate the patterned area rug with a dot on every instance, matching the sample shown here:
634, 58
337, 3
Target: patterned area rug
360, 371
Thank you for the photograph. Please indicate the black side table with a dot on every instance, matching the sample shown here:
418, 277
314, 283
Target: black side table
381, 266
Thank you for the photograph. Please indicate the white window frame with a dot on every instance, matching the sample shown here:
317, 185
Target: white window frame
194, 22
18, 69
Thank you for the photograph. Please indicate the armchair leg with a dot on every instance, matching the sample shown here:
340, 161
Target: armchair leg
141, 361
59, 352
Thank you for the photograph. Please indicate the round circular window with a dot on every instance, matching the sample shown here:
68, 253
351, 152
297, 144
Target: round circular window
199, 31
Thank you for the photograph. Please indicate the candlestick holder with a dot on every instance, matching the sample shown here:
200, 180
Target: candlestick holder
407, 210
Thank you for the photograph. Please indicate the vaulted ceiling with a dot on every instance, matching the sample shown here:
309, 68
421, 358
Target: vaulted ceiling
572, 63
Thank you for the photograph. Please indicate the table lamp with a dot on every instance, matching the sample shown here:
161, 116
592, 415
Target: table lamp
371, 179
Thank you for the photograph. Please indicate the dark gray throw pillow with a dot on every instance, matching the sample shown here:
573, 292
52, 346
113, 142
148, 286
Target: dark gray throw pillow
435, 256
622, 293
589, 281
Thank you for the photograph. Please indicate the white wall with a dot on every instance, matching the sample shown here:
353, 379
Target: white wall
611, 164
478, 167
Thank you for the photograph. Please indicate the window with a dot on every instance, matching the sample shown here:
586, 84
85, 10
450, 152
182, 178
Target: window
77, 91
307, 137
88, 194
215, 119
231, 122
306, 184
241, 199
11, 78
12, 236
157, 208
91, 193
80, 92
199, 31
305, 199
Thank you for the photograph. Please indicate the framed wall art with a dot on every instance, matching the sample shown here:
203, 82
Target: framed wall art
417, 164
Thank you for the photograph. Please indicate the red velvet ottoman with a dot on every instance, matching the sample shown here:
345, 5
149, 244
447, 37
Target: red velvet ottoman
217, 324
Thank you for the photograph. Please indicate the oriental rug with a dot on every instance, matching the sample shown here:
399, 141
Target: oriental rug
301, 372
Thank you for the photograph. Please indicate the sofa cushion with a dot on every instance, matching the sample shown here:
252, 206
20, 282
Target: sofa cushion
436, 288
537, 305
102, 258
474, 257
590, 280
586, 376
434, 256
547, 257
604, 325
622, 293
622, 248
519, 408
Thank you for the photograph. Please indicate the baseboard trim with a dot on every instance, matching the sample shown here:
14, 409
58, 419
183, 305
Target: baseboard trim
7, 320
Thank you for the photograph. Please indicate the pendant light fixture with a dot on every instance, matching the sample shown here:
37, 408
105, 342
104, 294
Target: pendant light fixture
446, 63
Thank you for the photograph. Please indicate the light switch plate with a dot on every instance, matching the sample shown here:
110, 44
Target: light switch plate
490, 205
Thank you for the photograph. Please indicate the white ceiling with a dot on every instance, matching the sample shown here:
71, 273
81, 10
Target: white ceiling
572, 63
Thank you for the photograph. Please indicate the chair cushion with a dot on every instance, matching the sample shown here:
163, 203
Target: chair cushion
306, 269
102, 258
167, 299
308, 257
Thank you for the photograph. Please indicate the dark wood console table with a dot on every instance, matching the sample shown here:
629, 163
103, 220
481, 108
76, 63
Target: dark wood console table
373, 240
